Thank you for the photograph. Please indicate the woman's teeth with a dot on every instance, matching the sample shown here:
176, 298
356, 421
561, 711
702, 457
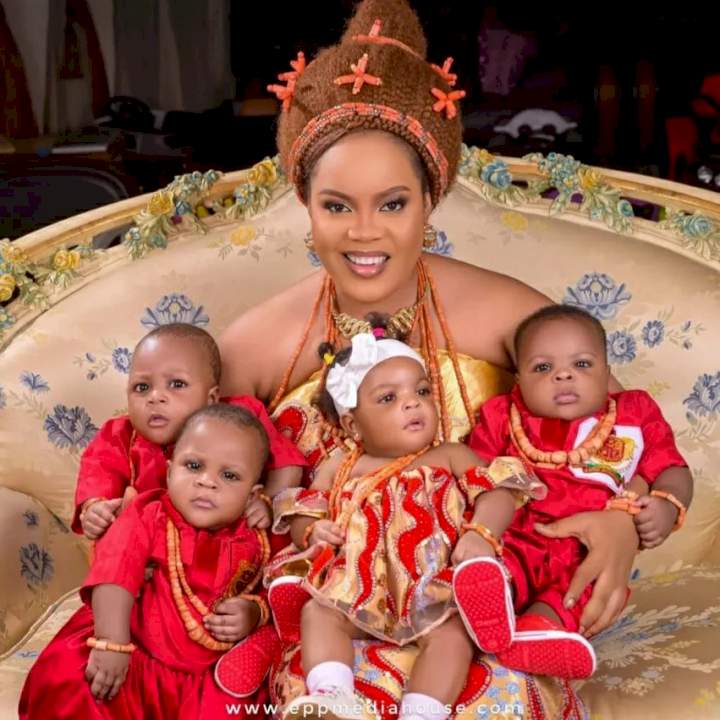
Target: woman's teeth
366, 259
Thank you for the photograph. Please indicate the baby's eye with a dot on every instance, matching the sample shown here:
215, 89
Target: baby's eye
193, 465
387, 398
424, 391
542, 367
583, 364
140, 387
229, 475
177, 384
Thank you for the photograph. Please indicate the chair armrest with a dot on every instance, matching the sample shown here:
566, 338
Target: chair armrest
40, 560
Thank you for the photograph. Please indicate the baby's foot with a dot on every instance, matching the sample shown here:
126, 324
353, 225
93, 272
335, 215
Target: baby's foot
483, 596
286, 598
542, 647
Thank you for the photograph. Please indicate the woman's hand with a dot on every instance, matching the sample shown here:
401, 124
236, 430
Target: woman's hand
233, 619
106, 672
612, 543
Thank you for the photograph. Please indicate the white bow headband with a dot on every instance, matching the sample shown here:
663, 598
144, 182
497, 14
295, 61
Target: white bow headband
343, 381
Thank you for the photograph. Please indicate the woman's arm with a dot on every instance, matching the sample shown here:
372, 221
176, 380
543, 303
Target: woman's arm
257, 347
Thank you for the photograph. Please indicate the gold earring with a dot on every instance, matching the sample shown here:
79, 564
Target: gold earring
430, 236
309, 245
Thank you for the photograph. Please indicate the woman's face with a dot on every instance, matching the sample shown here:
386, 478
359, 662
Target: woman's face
368, 212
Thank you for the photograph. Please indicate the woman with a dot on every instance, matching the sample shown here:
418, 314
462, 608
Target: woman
370, 136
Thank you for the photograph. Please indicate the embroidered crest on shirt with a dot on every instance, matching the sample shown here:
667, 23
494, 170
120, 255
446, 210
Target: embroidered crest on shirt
616, 462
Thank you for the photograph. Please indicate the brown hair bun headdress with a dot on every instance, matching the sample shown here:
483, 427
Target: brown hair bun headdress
376, 78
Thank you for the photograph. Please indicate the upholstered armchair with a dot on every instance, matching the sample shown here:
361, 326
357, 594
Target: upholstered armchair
641, 254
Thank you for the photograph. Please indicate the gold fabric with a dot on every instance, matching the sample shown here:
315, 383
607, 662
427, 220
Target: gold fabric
391, 577
482, 380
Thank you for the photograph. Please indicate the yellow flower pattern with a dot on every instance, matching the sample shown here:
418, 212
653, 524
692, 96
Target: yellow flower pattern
514, 220
161, 203
7, 286
243, 236
66, 260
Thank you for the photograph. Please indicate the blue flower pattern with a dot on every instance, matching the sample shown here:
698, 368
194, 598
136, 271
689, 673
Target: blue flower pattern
31, 518
621, 347
704, 400
442, 245
121, 359
34, 382
313, 258
174, 308
69, 428
36, 564
598, 294
653, 333
496, 173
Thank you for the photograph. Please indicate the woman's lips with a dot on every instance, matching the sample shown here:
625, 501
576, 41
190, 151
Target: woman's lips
366, 264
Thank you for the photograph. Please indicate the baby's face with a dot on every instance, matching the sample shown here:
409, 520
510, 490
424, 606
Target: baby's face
562, 369
396, 413
213, 471
170, 378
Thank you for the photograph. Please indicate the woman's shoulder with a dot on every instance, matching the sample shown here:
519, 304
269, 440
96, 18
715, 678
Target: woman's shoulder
483, 307
480, 283
255, 347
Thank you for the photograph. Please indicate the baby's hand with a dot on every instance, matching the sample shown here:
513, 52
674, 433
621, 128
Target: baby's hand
655, 520
233, 619
326, 531
106, 672
471, 545
99, 516
258, 514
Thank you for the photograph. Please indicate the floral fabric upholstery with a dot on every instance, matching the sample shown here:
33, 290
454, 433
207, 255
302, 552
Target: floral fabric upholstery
64, 373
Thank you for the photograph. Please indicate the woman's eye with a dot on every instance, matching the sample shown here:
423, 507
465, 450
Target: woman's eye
335, 207
541, 367
395, 205
141, 387
177, 384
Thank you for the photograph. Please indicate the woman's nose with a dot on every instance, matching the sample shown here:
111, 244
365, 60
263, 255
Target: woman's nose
364, 229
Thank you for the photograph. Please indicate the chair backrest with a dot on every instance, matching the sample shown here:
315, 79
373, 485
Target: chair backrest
205, 249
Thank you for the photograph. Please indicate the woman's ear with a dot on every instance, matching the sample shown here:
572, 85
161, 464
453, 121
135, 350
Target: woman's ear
214, 395
427, 205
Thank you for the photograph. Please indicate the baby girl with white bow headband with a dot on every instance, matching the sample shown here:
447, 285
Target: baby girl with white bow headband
386, 526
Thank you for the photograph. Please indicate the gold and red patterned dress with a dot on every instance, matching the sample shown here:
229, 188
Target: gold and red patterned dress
382, 668
392, 577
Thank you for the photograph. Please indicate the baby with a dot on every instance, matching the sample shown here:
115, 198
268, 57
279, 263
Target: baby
587, 446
